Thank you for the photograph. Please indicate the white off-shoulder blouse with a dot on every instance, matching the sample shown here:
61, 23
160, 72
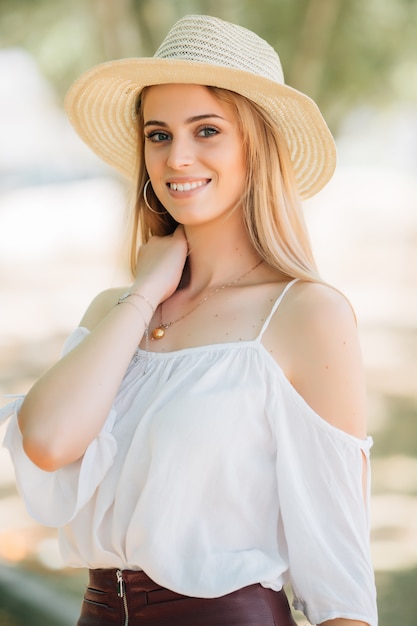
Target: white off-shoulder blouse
212, 473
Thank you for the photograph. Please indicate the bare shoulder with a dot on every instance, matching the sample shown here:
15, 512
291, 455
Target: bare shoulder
311, 313
318, 302
100, 306
314, 312
315, 335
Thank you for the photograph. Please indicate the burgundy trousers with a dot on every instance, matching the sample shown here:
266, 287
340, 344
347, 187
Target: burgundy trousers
128, 598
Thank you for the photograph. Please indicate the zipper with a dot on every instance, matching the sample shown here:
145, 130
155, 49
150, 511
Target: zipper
121, 592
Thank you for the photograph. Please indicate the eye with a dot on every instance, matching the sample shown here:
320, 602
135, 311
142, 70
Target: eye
208, 131
157, 136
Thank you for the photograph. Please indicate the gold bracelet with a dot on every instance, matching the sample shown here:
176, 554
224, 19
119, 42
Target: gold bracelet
126, 295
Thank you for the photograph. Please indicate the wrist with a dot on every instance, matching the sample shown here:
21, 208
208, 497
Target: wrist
134, 294
126, 298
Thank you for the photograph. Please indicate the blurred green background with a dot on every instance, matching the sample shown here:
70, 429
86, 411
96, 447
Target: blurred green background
63, 226
343, 53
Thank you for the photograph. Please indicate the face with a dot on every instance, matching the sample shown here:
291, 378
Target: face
193, 152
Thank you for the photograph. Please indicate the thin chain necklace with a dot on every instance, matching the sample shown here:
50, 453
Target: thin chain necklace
159, 331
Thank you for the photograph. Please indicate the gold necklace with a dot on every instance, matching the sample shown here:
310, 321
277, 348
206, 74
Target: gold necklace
159, 331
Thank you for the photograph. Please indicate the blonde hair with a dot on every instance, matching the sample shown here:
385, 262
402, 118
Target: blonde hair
271, 205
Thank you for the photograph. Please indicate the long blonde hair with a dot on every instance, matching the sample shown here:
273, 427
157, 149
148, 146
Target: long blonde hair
271, 206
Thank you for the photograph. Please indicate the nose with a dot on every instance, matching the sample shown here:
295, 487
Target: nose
181, 153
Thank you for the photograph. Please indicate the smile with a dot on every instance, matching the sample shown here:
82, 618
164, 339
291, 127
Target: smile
187, 186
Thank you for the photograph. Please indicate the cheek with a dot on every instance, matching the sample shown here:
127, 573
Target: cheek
148, 159
233, 157
236, 168
154, 171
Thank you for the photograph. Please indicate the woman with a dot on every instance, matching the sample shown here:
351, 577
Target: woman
226, 456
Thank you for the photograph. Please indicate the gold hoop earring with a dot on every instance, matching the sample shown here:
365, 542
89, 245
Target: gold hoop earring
145, 189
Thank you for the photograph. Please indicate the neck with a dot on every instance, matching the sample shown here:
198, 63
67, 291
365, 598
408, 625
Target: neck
217, 256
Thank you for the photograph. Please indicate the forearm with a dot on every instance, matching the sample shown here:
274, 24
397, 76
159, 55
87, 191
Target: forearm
66, 408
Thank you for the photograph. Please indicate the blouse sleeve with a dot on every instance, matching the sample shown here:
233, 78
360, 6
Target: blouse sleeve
324, 512
54, 498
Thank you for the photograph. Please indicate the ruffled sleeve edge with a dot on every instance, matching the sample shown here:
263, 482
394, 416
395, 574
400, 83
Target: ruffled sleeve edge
55, 498
320, 617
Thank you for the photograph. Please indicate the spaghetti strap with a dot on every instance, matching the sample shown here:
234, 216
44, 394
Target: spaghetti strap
275, 307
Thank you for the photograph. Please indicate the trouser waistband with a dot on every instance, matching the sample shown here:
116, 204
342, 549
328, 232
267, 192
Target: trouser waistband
130, 598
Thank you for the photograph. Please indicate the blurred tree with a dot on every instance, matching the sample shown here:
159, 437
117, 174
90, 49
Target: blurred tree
311, 56
341, 53
117, 31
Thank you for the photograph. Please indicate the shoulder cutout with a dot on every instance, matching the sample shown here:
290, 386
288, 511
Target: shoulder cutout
315, 334
100, 306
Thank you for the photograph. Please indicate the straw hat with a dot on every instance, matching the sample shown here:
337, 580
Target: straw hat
201, 50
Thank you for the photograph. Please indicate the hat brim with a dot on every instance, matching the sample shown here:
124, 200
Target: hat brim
101, 107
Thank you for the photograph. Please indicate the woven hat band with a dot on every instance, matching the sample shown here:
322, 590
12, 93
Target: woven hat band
215, 42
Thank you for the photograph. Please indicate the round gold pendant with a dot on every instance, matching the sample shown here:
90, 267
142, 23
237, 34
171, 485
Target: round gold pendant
158, 333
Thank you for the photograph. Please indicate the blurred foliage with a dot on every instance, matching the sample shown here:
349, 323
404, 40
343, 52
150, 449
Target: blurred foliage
397, 598
341, 52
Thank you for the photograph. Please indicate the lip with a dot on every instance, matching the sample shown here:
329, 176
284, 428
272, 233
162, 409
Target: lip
181, 186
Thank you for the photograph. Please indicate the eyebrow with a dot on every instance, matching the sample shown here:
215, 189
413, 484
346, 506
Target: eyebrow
190, 120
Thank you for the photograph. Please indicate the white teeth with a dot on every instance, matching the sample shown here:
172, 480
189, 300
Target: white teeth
186, 186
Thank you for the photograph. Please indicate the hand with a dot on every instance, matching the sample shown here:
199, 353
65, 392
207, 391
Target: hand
160, 264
